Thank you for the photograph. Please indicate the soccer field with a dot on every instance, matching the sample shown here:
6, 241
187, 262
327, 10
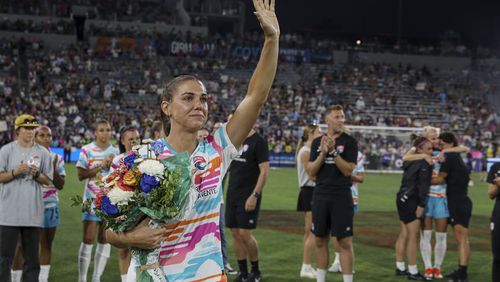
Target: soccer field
280, 232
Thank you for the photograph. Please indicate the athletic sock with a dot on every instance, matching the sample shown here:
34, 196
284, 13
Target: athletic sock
337, 258
347, 277
439, 249
242, 265
320, 275
84, 255
413, 269
123, 277
255, 266
15, 275
102, 253
425, 248
401, 265
44, 273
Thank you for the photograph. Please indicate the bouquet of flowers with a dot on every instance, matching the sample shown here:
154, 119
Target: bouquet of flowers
143, 186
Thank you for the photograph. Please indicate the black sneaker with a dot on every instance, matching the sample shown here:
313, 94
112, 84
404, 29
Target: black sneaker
418, 277
241, 278
401, 272
255, 277
455, 277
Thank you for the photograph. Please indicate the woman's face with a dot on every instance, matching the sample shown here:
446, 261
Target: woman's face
433, 137
189, 106
427, 148
316, 133
103, 132
129, 139
44, 137
26, 134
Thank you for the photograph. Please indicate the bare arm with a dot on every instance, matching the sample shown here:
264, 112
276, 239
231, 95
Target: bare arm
251, 202
58, 180
8, 176
344, 167
87, 173
304, 159
142, 236
359, 178
440, 179
457, 149
262, 79
313, 167
493, 188
43, 179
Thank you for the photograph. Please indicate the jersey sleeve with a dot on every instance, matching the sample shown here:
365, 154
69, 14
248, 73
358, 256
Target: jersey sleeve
262, 151
360, 167
4, 158
314, 149
446, 166
60, 165
46, 165
350, 153
83, 159
223, 144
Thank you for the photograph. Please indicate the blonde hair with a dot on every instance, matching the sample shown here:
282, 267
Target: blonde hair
429, 129
305, 137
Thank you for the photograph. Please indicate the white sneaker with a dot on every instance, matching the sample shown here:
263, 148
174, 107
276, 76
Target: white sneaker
335, 267
308, 272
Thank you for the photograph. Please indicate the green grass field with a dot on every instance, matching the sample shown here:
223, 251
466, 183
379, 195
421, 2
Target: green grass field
280, 232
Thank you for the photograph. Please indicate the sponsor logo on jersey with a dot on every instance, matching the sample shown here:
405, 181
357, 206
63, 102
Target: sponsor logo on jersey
200, 162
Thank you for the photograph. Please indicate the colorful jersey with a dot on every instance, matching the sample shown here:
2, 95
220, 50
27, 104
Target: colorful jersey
359, 168
191, 250
437, 190
50, 196
91, 156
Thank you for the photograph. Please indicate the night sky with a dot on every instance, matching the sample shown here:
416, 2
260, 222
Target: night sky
478, 22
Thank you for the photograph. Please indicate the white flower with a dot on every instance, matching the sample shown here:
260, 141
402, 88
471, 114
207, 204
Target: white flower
152, 167
119, 197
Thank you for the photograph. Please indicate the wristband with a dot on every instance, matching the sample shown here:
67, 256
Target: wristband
256, 195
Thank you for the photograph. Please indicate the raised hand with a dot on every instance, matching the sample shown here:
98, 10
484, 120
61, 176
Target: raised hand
264, 10
327, 144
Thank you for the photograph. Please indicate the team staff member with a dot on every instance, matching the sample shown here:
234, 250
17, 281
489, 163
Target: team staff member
455, 174
24, 167
494, 192
332, 160
411, 200
43, 136
94, 164
247, 175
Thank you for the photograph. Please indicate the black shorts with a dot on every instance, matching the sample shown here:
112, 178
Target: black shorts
305, 198
333, 214
407, 209
460, 211
237, 217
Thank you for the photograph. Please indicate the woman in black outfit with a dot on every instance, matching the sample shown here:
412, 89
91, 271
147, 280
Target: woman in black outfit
494, 192
411, 200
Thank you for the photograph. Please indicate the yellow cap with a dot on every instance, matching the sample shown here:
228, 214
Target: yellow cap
26, 121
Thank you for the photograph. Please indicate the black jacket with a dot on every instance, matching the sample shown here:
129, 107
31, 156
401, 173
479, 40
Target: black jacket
416, 182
